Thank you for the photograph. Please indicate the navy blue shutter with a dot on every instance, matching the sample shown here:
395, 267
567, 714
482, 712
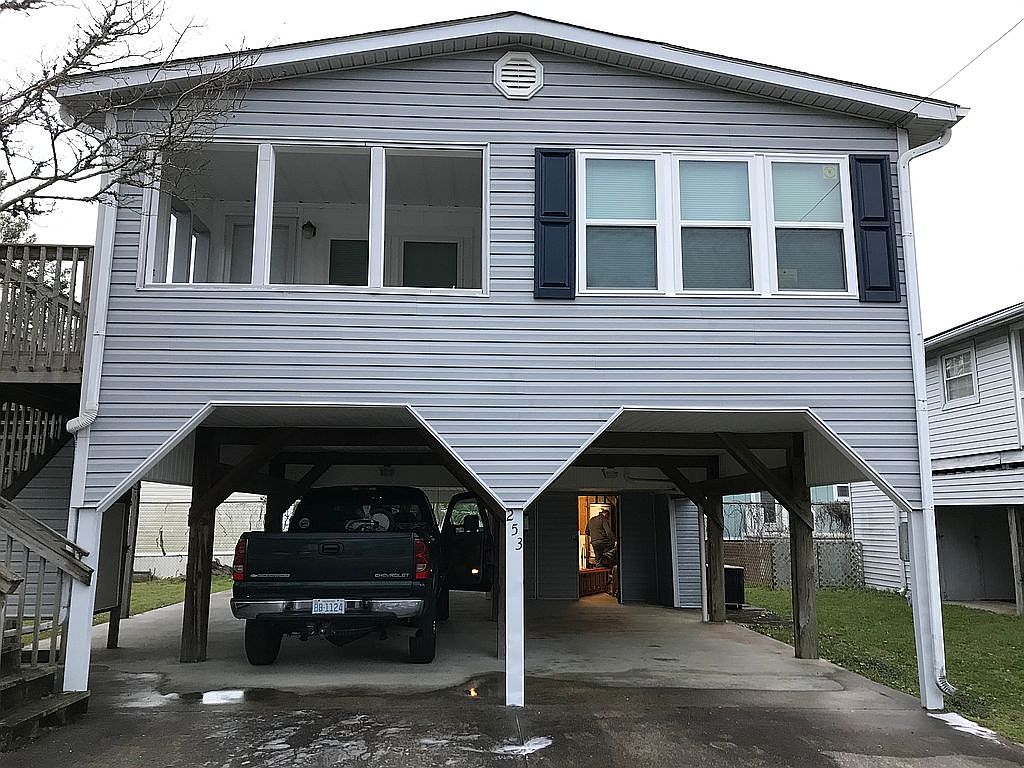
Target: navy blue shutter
874, 228
554, 256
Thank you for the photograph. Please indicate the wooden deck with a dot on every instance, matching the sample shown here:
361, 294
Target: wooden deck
44, 300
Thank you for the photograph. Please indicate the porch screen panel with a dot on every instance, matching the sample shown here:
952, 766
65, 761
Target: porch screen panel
322, 199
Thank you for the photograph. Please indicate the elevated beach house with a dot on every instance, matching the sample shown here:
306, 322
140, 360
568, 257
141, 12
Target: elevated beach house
557, 267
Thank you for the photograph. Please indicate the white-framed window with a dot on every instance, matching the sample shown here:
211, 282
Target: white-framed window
343, 216
619, 224
811, 225
716, 228
959, 377
702, 223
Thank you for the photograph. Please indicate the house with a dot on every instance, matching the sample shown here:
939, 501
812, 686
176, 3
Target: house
976, 415
553, 266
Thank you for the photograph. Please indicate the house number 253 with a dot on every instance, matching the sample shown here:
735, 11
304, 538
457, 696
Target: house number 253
513, 530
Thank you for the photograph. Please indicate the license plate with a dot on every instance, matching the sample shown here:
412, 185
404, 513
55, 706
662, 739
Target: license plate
328, 606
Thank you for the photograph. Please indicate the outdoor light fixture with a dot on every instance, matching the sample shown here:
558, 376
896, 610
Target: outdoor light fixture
309, 230
387, 471
610, 473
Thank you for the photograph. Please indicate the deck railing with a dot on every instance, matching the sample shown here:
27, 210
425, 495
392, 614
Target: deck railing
44, 298
35, 612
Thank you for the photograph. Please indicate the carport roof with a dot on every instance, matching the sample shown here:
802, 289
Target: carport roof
373, 416
829, 459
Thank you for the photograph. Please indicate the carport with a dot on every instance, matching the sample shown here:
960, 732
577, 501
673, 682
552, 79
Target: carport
283, 450
703, 455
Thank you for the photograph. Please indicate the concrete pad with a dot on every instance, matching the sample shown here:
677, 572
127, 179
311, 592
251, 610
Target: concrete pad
593, 639
600, 692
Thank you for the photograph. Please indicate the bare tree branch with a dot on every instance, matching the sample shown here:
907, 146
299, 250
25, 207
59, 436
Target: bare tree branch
44, 148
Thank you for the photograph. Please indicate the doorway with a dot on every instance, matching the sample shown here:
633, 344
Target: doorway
598, 524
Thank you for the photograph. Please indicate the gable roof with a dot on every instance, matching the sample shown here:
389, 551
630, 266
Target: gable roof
989, 322
925, 118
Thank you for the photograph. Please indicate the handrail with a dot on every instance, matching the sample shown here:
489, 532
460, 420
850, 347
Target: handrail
44, 301
32, 534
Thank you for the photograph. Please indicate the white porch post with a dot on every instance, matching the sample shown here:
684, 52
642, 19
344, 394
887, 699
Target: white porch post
78, 643
515, 629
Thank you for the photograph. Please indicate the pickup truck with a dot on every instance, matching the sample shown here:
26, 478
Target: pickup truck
354, 560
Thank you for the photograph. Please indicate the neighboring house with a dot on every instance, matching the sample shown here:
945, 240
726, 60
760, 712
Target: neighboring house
759, 515
976, 416
554, 266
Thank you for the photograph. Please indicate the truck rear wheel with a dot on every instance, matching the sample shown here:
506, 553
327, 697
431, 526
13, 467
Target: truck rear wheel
262, 642
423, 645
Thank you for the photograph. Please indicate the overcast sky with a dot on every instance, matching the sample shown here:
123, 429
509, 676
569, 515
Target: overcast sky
965, 195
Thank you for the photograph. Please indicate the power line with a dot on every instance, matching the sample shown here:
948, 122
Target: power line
960, 71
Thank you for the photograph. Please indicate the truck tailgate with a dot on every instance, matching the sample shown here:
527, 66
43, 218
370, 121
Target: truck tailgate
289, 558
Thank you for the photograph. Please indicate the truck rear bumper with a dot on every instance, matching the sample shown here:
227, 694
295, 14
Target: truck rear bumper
303, 609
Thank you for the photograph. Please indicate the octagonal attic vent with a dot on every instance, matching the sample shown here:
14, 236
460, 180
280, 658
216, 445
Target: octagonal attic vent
518, 75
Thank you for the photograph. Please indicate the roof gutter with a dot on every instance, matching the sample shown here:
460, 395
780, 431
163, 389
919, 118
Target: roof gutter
924, 545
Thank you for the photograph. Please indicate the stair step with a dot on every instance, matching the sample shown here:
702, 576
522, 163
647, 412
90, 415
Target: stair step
24, 721
26, 684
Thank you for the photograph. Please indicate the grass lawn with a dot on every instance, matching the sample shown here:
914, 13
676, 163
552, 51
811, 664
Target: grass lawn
147, 595
872, 633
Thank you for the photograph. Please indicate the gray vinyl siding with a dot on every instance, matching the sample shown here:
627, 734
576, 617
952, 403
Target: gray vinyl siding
514, 384
876, 526
991, 423
687, 548
638, 573
550, 558
975, 489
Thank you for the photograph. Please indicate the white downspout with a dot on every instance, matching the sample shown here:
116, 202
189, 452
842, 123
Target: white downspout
931, 649
84, 522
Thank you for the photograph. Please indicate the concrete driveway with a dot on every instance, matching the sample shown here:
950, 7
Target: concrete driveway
608, 686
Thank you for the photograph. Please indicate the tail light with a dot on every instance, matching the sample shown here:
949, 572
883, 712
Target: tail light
422, 559
238, 566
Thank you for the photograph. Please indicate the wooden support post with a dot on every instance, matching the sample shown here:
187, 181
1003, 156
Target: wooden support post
114, 627
803, 559
134, 500
795, 496
1017, 554
716, 559
198, 569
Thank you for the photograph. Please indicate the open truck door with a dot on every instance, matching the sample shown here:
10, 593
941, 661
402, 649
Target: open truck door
467, 544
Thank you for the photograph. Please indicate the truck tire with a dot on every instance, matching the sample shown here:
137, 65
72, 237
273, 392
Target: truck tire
423, 645
443, 605
262, 642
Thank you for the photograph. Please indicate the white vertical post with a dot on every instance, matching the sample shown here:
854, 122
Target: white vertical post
263, 228
78, 643
377, 212
515, 620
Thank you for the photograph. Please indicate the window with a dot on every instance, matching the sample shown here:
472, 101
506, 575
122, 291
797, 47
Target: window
323, 196
200, 191
433, 205
810, 226
958, 376
715, 237
743, 223
621, 224
348, 216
